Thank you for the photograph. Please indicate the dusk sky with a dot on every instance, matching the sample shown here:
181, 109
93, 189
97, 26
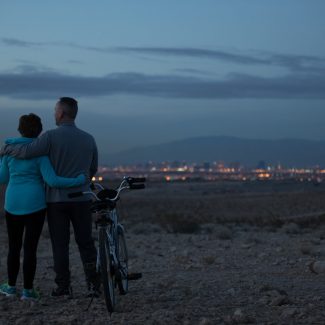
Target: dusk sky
148, 72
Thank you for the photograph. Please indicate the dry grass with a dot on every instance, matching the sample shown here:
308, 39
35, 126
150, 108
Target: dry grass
184, 207
178, 223
209, 260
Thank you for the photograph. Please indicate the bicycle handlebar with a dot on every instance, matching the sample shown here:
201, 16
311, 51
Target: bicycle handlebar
136, 186
127, 183
132, 180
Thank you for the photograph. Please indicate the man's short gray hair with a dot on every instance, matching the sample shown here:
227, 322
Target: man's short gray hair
69, 106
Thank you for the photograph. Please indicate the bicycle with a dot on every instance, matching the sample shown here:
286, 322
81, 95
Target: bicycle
112, 255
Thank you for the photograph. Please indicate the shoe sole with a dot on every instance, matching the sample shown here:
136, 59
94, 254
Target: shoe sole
8, 295
68, 295
63, 296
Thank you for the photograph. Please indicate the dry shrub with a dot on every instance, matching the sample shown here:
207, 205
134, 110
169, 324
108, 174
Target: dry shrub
291, 228
310, 220
209, 260
182, 259
306, 249
223, 233
179, 223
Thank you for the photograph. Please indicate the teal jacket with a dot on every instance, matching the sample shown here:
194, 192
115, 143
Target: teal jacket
25, 178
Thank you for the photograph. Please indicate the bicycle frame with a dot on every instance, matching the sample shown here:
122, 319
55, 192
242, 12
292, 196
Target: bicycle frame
111, 227
111, 239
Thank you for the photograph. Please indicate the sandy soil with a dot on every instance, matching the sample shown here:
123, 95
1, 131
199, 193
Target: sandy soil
209, 254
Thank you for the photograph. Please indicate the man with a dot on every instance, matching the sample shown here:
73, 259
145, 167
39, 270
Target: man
71, 151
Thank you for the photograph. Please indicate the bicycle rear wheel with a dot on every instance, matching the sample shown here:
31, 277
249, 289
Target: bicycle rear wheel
106, 270
122, 256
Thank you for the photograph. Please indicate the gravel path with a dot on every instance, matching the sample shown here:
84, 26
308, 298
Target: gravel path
254, 276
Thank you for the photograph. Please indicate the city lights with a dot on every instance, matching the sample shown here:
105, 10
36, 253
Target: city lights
215, 171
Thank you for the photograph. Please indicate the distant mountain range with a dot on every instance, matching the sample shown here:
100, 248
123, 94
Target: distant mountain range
288, 152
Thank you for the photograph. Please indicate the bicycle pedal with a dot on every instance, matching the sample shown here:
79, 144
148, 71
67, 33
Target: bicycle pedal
134, 276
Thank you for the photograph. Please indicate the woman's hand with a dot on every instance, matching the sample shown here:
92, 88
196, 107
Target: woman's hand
83, 178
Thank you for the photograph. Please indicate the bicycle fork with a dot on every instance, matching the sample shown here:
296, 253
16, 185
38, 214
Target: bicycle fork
112, 254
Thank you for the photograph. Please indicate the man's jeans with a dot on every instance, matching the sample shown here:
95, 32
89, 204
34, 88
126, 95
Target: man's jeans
59, 216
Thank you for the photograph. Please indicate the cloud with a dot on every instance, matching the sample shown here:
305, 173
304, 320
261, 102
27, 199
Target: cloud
194, 71
194, 53
31, 68
20, 43
48, 85
293, 62
298, 62
290, 61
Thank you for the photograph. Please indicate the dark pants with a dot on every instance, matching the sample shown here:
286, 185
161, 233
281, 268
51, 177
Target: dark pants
59, 216
16, 224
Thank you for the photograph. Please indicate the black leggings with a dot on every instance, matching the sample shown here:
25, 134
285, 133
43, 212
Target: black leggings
16, 224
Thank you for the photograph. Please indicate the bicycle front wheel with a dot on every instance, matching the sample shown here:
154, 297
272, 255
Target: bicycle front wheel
106, 269
122, 256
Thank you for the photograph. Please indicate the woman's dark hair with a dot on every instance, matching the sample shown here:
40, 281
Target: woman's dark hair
30, 126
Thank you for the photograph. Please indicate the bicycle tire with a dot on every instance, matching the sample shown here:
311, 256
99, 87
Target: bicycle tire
106, 270
122, 256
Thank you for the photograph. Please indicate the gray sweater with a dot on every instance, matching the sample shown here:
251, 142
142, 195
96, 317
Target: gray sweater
71, 152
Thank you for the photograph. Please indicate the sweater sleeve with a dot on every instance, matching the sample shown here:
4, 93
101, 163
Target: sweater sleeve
4, 170
39, 147
53, 180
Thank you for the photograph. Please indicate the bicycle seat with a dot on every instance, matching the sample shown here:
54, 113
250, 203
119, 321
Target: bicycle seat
106, 194
102, 205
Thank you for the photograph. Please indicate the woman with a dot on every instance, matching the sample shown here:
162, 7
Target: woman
25, 206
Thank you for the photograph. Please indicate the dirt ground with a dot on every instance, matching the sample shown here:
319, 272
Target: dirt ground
225, 253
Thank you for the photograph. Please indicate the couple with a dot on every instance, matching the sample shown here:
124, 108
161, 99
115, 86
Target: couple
25, 165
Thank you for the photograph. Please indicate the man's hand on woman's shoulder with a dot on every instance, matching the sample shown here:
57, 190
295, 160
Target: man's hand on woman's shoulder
4, 150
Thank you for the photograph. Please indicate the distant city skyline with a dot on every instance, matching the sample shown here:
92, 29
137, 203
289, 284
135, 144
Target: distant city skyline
149, 72
215, 171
